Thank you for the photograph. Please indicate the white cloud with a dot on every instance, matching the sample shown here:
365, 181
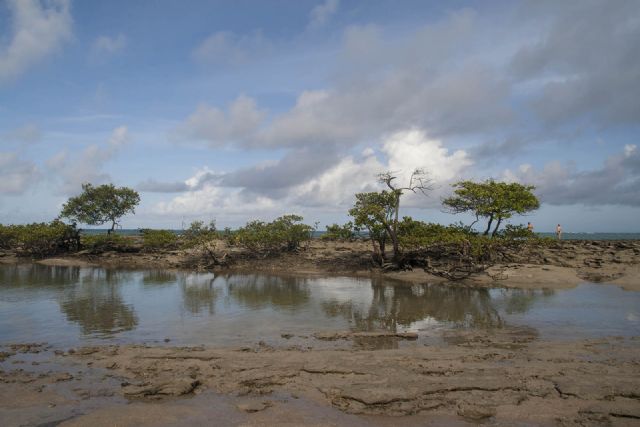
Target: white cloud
227, 48
217, 127
331, 188
16, 175
616, 182
39, 29
105, 46
86, 166
630, 150
321, 13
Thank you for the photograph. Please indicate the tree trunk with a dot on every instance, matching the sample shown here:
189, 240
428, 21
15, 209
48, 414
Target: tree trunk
382, 244
394, 241
113, 227
488, 225
495, 230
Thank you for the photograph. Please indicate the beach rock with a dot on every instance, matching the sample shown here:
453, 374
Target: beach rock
254, 406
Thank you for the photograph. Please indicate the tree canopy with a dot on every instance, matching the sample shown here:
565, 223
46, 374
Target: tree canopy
496, 201
100, 205
378, 212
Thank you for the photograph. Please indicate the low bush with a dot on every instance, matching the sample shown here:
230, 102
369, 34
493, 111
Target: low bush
107, 242
198, 234
40, 239
285, 233
159, 239
340, 232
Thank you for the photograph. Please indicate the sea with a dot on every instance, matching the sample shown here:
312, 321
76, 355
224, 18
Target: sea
317, 234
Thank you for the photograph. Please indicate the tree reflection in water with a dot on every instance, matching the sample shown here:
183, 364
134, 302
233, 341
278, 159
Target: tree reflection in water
159, 278
521, 300
401, 306
256, 291
96, 304
198, 292
40, 277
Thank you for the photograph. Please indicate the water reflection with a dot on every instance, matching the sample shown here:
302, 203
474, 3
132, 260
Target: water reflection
38, 300
37, 277
198, 292
257, 291
96, 303
402, 306
159, 278
521, 300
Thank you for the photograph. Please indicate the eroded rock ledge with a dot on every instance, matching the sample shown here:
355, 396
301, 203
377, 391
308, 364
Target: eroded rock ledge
507, 375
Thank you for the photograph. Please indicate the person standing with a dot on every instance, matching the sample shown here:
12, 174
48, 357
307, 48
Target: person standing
559, 232
530, 227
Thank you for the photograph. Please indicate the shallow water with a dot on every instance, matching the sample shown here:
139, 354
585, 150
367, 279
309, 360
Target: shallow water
70, 306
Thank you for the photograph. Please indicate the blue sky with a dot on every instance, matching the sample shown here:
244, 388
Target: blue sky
252, 109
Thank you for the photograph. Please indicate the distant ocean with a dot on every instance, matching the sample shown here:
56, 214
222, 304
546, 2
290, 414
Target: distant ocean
565, 236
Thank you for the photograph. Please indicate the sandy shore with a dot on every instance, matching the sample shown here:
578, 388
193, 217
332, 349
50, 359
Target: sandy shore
504, 377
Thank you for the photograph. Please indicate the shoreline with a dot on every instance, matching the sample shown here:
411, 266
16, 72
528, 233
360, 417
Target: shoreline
502, 377
562, 265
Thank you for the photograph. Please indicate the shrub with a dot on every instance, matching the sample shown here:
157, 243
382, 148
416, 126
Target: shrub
283, 234
339, 232
7, 236
40, 239
198, 234
159, 239
107, 242
516, 232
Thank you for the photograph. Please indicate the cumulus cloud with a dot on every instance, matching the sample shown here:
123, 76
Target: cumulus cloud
331, 184
409, 81
587, 62
568, 64
230, 49
615, 183
154, 186
16, 175
219, 128
86, 166
39, 29
321, 13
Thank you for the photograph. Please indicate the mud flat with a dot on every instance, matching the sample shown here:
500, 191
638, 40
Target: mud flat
502, 377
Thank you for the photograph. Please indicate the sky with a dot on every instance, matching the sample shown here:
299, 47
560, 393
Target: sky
241, 110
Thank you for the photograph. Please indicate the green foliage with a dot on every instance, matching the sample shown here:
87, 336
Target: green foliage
417, 234
375, 212
516, 232
492, 200
159, 239
199, 233
107, 242
340, 232
100, 205
285, 233
39, 239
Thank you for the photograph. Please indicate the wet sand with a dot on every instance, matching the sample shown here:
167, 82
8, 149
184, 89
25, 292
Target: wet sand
503, 377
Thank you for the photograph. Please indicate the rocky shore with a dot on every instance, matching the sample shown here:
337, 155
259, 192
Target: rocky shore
556, 265
503, 377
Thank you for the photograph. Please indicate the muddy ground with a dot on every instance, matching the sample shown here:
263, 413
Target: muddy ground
504, 377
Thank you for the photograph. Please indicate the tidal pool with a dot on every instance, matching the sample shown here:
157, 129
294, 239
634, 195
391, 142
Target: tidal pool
68, 306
